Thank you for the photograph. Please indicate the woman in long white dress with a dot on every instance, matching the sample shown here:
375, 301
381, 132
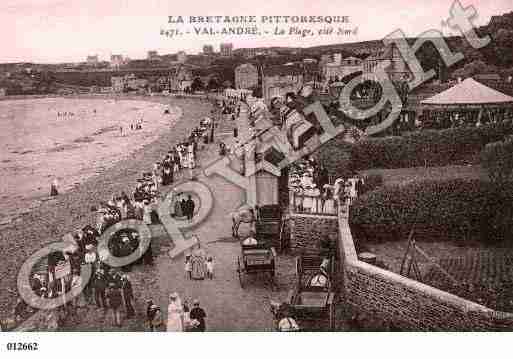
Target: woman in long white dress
157, 176
307, 199
175, 314
147, 208
352, 190
329, 205
316, 200
298, 199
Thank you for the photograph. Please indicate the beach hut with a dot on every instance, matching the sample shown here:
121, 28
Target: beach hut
266, 179
468, 102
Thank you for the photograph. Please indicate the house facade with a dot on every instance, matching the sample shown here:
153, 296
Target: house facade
341, 68
208, 49
279, 80
397, 70
116, 61
181, 57
126, 83
92, 60
246, 76
181, 79
226, 49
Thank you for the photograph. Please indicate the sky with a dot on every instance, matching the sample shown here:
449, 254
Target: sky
51, 31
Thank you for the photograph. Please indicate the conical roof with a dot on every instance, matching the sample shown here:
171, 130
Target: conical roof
468, 92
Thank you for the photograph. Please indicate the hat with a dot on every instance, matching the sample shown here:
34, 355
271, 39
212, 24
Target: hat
89, 247
195, 302
173, 295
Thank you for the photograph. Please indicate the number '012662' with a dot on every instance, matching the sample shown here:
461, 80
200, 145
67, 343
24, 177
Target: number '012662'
22, 346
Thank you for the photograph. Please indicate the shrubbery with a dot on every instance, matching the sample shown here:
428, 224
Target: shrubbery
427, 147
497, 159
371, 182
441, 210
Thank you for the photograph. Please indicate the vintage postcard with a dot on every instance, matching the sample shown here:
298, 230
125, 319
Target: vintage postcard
270, 166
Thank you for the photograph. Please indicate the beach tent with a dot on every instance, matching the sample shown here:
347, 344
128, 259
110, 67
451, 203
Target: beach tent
467, 102
469, 93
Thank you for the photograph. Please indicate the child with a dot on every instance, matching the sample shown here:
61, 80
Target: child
188, 267
210, 268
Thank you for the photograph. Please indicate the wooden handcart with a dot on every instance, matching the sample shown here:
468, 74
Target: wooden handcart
310, 300
269, 226
255, 259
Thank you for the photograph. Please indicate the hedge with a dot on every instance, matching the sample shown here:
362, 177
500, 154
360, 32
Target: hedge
455, 209
497, 159
427, 147
371, 182
335, 155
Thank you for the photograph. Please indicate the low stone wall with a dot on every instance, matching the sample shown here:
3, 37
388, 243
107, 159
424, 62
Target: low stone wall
307, 230
406, 303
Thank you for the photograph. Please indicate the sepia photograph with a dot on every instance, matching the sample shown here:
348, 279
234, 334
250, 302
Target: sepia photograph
255, 167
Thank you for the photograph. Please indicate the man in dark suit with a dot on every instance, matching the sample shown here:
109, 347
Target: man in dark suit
189, 207
115, 300
128, 295
100, 284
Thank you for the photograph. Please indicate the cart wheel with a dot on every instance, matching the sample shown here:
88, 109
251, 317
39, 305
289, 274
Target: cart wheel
239, 271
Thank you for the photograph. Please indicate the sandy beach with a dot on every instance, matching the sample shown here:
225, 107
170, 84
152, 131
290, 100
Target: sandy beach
121, 162
68, 140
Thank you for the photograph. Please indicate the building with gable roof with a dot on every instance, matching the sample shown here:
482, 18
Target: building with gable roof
397, 70
279, 80
246, 76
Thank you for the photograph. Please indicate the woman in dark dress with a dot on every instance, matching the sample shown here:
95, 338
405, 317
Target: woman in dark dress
178, 208
167, 171
198, 315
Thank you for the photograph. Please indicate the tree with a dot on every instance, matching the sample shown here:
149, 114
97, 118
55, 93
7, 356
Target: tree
503, 46
474, 68
257, 92
497, 159
197, 84
213, 83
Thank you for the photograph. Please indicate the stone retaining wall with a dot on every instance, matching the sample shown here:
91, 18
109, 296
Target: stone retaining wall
406, 303
307, 230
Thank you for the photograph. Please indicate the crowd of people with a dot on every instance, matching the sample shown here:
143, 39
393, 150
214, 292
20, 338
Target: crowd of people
309, 184
109, 288
180, 317
312, 190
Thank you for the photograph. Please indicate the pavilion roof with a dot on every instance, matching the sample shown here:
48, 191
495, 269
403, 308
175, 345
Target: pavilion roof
468, 92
